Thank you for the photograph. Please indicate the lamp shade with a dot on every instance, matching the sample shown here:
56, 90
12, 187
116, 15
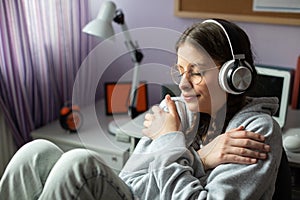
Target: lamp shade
102, 25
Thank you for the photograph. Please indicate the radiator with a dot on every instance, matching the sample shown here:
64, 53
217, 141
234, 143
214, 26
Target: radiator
7, 146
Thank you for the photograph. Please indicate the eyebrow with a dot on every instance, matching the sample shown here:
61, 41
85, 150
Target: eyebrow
202, 66
198, 64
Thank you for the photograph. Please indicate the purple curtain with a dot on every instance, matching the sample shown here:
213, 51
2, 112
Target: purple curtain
41, 49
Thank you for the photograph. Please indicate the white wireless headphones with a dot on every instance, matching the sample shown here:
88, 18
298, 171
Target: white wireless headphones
235, 76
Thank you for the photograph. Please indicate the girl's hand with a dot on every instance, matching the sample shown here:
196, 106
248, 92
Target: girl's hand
160, 122
236, 146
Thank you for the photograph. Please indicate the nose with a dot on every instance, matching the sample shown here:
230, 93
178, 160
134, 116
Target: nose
184, 82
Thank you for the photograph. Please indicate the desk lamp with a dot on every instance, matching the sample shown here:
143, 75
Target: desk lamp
102, 27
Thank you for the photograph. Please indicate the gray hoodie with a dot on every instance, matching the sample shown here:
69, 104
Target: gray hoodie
168, 168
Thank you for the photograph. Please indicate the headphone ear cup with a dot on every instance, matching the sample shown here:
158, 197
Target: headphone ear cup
223, 76
241, 78
235, 76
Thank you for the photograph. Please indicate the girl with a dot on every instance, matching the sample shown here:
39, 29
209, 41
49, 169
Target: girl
214, 69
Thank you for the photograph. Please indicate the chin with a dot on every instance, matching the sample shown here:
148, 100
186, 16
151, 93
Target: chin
193, 107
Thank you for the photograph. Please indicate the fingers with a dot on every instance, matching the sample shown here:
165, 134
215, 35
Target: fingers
252, 144
245, 144
241, 156
236, 133
245, 152
156, 109
237, 129
246, 139
149, 117
154, 122
171, 105
158, 121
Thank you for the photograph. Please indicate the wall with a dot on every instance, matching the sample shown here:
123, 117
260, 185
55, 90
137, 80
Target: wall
272, 44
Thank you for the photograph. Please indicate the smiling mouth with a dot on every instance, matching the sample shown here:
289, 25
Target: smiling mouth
190, 98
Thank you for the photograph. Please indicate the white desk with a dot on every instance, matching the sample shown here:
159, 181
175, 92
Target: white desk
92, 135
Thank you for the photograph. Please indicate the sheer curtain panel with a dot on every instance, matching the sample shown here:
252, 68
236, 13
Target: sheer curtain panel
41, 49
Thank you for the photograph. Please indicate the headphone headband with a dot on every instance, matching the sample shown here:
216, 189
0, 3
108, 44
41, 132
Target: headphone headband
232, 44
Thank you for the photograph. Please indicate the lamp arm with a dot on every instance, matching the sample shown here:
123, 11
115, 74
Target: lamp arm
136, 56
135, 52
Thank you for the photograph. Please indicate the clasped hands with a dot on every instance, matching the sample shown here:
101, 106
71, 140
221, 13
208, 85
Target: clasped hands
235, 146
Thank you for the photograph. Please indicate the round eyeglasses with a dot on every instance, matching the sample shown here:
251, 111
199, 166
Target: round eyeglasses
194, 74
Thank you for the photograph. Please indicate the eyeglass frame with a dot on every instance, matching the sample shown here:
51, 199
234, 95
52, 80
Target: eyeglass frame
190, 74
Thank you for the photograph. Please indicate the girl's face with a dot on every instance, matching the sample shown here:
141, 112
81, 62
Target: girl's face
206, 96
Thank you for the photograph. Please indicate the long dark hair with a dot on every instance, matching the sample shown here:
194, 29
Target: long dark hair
213, 40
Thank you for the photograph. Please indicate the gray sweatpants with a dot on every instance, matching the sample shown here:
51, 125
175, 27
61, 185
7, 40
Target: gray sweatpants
40, 170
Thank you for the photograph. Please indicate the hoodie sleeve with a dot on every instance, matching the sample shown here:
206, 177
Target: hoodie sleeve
256, 181
166, 169
163, 169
